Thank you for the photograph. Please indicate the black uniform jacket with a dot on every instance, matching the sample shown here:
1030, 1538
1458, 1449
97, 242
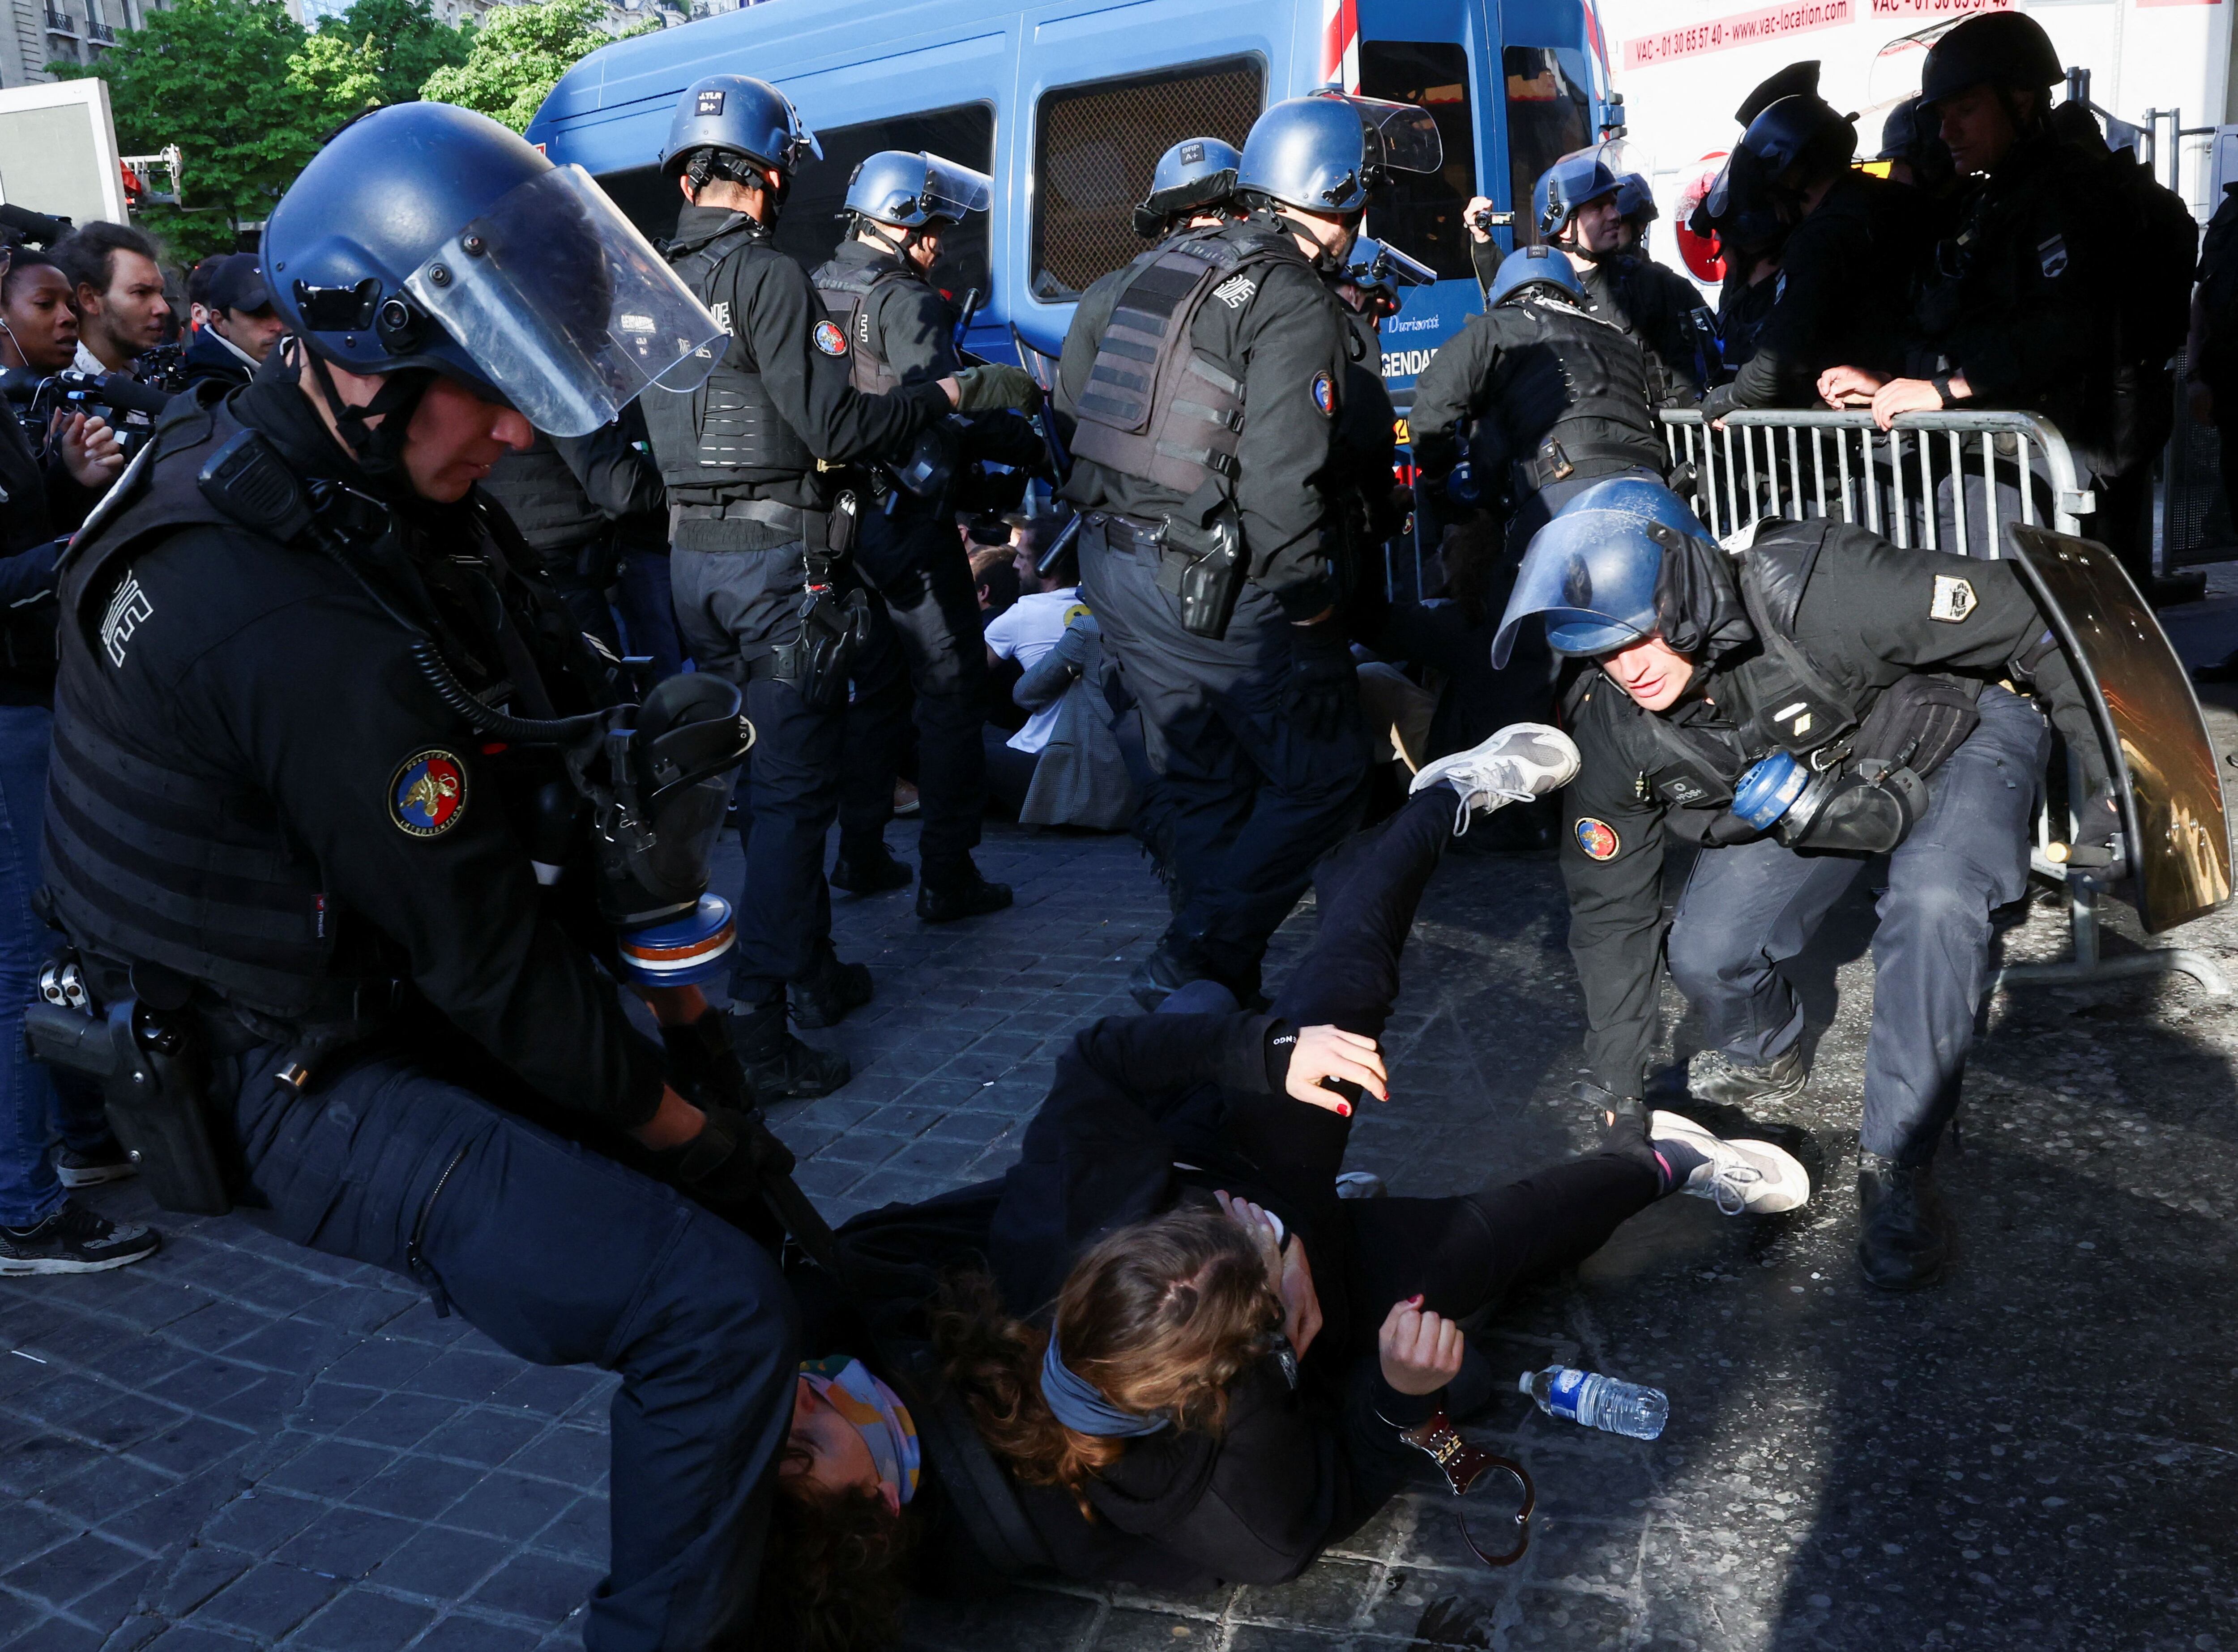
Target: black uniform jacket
1286, 342
1838, 301
208, 357
2018, 301
1658, 307
766, 301
269, 666
1864, 619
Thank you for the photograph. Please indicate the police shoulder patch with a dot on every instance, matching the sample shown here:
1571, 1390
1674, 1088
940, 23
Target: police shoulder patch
1324, 393
427, 794
829, 338
1598, 838
1953, 599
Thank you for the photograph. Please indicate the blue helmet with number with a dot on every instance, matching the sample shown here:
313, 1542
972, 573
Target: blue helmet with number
1197, 174
910, 190
1576, 179
737, 115
1527, 267
1324, 152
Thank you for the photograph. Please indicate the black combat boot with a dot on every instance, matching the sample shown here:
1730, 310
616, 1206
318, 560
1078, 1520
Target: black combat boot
829, 990
1159, 976
1717, 1078
779, 1066
1904, 1233
957, 892
868, 868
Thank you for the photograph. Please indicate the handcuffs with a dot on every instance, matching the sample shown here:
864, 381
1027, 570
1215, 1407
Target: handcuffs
1464, 1465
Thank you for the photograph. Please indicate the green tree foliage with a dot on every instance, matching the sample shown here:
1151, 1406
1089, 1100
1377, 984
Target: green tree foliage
519, 52
405, 39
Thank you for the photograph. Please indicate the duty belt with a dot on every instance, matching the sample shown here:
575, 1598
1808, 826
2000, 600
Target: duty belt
794, 521
1557, 461
1148, 535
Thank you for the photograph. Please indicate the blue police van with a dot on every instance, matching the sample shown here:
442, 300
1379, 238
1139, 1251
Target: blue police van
1068, 105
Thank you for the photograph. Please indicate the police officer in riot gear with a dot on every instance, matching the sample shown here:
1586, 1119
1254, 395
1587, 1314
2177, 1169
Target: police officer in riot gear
1845, 261
764, 591
1557, 398
1635, 210
900, 331
317, 833
1812, 699
1912, 146
1202, 428
1575, 205
2011, 315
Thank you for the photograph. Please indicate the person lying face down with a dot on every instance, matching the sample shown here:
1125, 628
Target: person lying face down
1189, 1357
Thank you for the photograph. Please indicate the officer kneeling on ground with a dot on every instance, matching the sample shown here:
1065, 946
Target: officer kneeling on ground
1210, 549
1814, 699
317, 827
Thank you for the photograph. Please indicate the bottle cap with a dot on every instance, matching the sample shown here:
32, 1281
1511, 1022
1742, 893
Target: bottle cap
1523, 1383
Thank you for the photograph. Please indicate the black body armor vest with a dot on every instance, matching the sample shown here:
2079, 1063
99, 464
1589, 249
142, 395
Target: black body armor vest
849, 292
1154, 408
149, 860
727, 434
547, 504
1573, 395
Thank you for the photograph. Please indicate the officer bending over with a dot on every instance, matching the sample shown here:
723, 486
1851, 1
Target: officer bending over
1209, 546
1578, 205
1557, 398
764, 594
1814, 699
899, 330
305, 772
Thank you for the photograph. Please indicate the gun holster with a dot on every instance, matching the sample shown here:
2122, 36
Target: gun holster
155, 1080
1202, 564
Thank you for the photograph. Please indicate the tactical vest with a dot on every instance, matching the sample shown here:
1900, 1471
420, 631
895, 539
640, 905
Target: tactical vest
147, 859
727, 432
1154, 407
545, 502
850, 294
1576, 392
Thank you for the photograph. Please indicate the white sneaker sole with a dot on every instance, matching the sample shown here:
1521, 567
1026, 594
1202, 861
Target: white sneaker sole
95, 1175
1545, 781
17, 1266
1781, 1183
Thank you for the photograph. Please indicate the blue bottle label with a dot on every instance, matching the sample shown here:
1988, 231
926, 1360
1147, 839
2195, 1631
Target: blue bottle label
1568, 1387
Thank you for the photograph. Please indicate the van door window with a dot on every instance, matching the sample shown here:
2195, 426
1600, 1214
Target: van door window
1548, 115
1096, 146
1420, 214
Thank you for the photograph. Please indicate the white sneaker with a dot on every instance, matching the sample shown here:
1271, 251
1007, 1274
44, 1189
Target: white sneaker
1753, 1178
1521, 761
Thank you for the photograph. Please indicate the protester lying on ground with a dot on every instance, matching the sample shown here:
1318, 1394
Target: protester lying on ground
1188, 1357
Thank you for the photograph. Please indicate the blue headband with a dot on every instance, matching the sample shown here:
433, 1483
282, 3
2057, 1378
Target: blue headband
1080, 1405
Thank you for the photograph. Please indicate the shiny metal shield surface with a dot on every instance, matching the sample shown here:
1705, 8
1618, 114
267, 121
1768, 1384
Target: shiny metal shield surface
2172, 812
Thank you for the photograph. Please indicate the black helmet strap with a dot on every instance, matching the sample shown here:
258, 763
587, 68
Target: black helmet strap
710, 165
378, 449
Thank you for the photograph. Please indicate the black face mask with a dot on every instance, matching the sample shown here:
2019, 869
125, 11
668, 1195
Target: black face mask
1698, 604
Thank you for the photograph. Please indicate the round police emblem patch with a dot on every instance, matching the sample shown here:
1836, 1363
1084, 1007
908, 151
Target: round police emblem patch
1598, 838
829, 338
1324, 393
429, 793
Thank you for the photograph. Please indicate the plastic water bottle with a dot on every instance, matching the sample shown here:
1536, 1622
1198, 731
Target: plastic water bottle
1597, 1401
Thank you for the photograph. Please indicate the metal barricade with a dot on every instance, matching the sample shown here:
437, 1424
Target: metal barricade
1913, 485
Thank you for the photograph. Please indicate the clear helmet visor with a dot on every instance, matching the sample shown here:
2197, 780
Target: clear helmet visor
1591, 574
1373, 263
953, 189
1397, 137
565, 307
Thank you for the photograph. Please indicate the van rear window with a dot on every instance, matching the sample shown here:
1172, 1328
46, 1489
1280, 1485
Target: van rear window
1548, 115
1096, 146
1419, 214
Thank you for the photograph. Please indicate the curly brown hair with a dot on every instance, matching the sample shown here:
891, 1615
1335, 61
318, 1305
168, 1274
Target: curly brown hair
1163, 1316
832, 1572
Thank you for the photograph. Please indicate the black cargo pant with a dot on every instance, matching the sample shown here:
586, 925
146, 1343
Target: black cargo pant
563, 1257
930, 632
735, 609
1242, 800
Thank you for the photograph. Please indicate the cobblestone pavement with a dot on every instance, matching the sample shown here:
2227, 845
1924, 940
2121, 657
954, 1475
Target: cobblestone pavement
240, 1443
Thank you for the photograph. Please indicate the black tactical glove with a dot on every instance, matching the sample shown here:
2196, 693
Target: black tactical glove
703, 1063
995, 387
1612, 1109
728, 1167
1322, 687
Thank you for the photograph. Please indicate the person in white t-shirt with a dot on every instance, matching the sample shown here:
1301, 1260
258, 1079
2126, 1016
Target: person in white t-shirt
1025, 631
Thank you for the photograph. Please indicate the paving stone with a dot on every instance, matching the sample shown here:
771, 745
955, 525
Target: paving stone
539, 1587
267, 1601
70, 1569
464, 1633
441, 1564
359, 1620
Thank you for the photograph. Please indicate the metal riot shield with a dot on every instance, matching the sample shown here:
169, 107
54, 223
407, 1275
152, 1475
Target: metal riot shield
2172, 814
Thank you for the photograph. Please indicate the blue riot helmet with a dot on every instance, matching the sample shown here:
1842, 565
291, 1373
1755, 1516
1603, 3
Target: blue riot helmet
1324, 152
1642, 497
1529, 268
1592, 576
425, 238
909, 191
1197, 174
1576, 180
1635, 201
1376, 263
737, 115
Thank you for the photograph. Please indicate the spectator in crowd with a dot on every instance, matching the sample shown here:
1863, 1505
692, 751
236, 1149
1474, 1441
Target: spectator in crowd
38, 328
994, 571
240, 330
117, 286
198, 286
1022, 633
